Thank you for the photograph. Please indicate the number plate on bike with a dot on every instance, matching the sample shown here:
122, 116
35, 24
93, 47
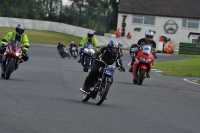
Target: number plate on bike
73, 48
133, 49
110, 70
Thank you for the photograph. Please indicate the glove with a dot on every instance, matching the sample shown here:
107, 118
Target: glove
122, 68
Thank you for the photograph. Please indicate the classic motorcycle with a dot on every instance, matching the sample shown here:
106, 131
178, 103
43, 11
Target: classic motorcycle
64, 53
86, 55
101, 86
12, 56
74, 52
143, 64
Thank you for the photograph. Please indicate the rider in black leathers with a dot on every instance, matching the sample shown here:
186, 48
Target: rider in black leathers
60, 46
109, 55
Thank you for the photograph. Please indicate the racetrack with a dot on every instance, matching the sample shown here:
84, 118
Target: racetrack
43, 96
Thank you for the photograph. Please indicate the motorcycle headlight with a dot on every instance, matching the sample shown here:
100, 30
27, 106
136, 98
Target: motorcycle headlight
142, 59
148, 60
17, 54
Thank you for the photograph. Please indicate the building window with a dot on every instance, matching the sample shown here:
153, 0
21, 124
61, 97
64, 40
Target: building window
143, 19
190, 23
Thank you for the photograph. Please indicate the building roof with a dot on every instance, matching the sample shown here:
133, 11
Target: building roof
171, 8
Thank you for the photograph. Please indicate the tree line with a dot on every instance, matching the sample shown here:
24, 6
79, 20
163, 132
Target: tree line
96, 14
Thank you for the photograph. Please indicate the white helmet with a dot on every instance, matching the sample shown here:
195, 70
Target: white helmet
149, 35
90, 34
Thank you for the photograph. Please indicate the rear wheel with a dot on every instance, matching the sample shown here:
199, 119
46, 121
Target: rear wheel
101, 95
9, 69
141, 76
132, 55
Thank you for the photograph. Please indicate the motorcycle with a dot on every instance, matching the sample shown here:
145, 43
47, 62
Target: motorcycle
87, 52
64, 53
74, 52
133, 52
101, 86
143, 64
12, 56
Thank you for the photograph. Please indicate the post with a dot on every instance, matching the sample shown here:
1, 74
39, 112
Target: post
108, 22
60, 11
98, 18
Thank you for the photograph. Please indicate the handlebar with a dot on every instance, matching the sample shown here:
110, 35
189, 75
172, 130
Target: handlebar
115, 68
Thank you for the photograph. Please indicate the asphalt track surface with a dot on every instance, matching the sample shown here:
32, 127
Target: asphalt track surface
43, 96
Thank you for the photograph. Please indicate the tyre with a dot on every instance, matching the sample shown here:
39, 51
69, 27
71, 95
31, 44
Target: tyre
87, 62
102, 95
85, 97
132, 55
3, 75
135, 81
9, 69
68, 55
141, 76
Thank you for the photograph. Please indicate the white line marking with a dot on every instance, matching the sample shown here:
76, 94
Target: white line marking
129, 64
154, 69
158, 71
158, 74
191, 82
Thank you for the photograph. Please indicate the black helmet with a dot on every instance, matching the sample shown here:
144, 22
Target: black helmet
20, 29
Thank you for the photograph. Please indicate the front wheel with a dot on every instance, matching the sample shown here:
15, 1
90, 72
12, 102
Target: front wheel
141, 76
9, 69
101, 95
85, 97
87, 62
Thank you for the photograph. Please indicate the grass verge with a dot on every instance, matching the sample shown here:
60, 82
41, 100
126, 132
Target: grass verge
44, 37
186, 68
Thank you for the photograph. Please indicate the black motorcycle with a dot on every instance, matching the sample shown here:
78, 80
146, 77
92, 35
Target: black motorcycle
64, 53
101, 86
133, 52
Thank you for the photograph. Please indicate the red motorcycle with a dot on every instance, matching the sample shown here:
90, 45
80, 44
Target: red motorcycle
143, 64
12, 56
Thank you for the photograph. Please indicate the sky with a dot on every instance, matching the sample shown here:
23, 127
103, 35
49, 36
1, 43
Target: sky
65, 2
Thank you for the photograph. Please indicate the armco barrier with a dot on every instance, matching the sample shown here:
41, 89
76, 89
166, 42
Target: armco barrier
189, 48
59, 27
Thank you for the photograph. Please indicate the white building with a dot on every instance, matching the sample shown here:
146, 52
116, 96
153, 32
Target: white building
174, 19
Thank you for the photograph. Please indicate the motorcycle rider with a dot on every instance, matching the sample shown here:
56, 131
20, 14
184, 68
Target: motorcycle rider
72, 44
144, 41
17, 35
109, 55
60, 46
89, 39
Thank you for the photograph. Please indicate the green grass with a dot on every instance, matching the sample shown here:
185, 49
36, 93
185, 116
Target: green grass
187, 68
44, 37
